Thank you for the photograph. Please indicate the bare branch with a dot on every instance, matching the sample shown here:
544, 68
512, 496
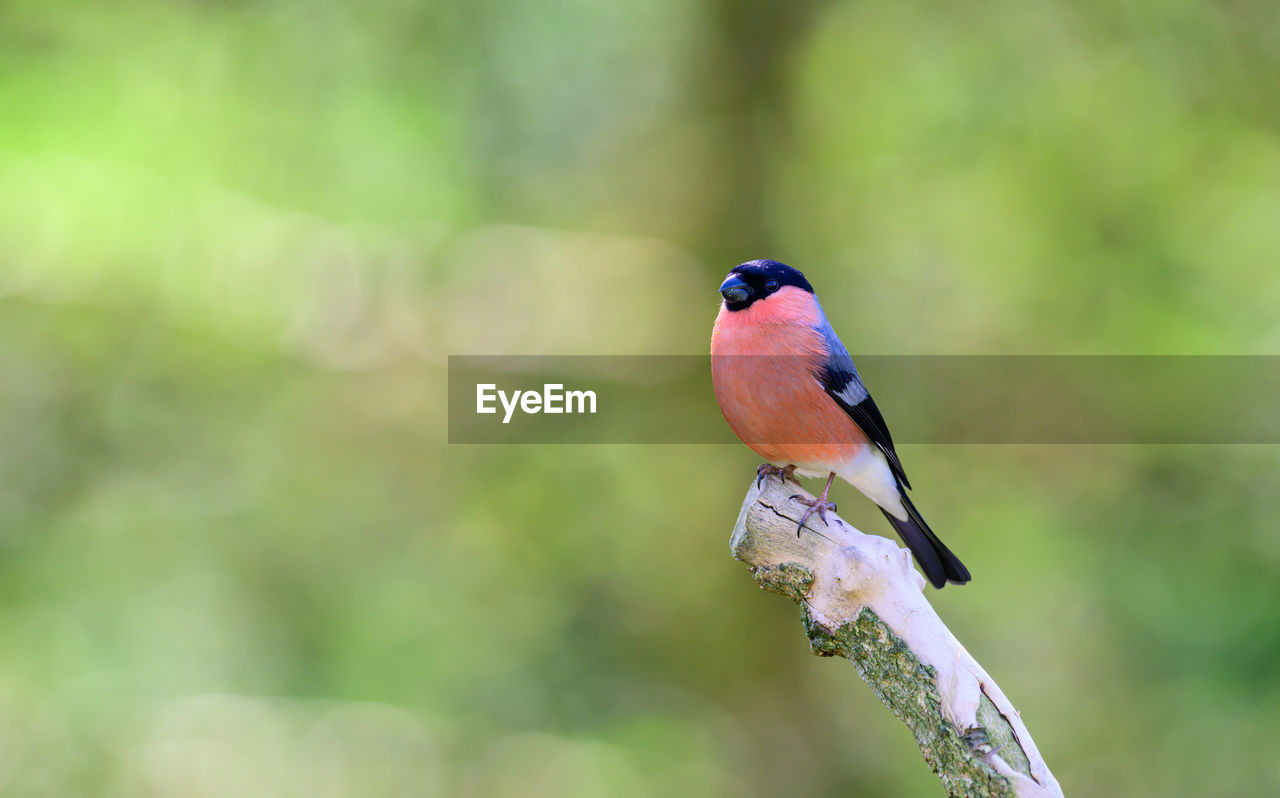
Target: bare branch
860, 598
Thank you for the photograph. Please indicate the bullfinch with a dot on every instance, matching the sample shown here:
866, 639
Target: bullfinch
788, 388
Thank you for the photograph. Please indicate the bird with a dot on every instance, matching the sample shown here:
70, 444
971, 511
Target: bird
788, 388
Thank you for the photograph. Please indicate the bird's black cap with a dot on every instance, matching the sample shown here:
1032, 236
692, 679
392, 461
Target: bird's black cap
757, 279
764, 270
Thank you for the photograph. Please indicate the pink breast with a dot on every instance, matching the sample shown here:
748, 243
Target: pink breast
765, 372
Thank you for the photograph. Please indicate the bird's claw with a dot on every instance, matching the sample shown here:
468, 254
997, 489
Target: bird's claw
819, 506
769, 469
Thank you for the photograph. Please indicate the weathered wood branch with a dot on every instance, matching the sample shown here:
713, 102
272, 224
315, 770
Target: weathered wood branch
860, 598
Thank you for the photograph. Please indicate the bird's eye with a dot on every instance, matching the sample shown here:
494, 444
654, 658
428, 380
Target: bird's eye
771, 286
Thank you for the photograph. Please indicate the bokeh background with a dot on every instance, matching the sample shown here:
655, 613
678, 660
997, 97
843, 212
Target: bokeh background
238, 240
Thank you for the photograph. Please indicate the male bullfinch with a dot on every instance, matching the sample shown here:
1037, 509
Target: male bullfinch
789, 390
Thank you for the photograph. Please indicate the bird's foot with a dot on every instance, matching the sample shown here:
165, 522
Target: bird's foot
769, 469
819, 506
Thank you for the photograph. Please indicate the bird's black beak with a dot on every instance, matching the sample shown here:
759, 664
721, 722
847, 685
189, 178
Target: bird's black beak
734, 290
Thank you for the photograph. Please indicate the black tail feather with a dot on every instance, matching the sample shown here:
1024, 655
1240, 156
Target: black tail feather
936, 560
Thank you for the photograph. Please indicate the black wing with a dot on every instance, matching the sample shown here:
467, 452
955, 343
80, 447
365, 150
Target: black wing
840, 379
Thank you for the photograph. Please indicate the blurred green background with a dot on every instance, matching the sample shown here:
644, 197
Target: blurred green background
238, 240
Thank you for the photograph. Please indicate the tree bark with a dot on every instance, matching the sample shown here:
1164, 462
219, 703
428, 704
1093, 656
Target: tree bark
861, 598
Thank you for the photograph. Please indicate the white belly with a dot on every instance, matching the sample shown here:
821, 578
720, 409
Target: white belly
869, 472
